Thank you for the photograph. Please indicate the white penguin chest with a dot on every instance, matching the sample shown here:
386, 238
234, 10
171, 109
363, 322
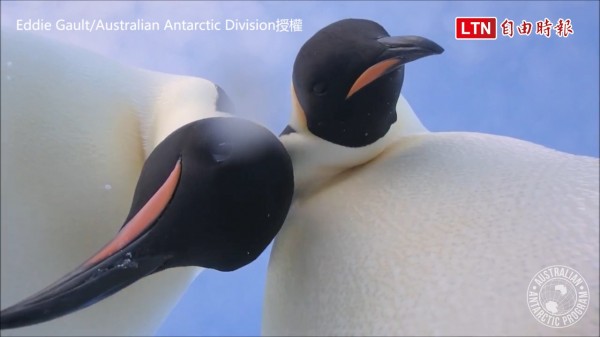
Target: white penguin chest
440, 235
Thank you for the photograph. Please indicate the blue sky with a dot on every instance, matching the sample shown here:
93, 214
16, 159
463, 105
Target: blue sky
544, 90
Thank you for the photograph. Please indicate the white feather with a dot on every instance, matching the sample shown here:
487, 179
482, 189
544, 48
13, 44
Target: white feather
441, 233
76, 129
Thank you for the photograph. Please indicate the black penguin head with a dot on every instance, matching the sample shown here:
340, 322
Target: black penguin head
212, 194
235, 188
347, 79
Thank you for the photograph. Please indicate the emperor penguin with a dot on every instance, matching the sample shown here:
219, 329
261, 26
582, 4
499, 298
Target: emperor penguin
395, 230
392, 230
77, 131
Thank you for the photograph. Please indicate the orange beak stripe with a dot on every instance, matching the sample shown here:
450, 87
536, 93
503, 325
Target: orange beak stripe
150, 212
371, 74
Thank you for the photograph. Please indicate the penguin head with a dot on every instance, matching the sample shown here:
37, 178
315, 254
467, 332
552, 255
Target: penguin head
213, 194
347, 79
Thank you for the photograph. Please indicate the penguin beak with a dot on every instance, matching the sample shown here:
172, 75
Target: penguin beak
399, 51
181, 215
84, 286
408, 48
118, 264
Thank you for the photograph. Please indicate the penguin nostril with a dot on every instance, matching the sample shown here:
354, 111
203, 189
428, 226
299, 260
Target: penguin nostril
220, 151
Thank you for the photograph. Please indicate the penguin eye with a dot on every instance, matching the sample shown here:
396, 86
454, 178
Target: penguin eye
320, 89
220, 151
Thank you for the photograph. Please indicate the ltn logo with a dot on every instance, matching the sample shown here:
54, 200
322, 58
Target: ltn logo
475, 28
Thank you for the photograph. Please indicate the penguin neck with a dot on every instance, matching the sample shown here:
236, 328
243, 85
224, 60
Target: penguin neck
167, 102
316, 161
407, 124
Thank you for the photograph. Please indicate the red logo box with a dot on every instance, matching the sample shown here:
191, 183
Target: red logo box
475, 28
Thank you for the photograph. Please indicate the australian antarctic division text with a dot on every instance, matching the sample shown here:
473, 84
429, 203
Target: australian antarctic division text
143, 25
